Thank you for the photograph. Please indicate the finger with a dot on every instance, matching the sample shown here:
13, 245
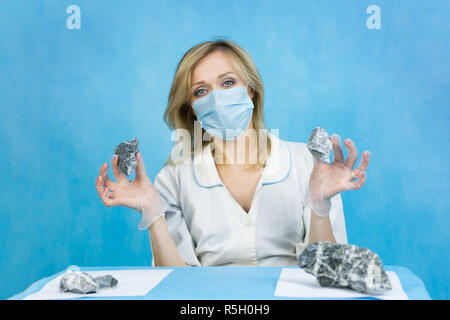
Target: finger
111, 185
104, 193
316, 161
106, 181
364, 162
120, 177
108, 199
352, 154
99, 186
103, 169
358, 183
140, 168
337, 150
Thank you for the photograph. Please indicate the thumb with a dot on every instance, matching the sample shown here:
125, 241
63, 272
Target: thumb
140, 168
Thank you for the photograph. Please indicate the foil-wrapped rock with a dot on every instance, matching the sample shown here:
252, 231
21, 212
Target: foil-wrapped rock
78, 282
126, 151
319, 144
349, 266
81, 282
107, 281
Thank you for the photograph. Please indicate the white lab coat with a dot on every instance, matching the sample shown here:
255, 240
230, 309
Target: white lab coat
210, 228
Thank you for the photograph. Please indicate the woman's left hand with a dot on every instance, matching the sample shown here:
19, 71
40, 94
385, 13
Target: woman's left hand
328, 179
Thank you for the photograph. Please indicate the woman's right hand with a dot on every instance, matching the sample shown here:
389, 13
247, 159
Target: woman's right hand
139, 194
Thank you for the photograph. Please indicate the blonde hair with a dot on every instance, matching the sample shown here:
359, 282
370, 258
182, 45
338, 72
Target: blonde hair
179, 115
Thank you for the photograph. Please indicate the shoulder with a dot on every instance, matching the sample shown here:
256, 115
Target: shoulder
300, 153
299, 148
301, 161
174, 172
167, 182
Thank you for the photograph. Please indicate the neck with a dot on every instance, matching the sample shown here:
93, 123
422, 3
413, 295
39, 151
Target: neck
242, 151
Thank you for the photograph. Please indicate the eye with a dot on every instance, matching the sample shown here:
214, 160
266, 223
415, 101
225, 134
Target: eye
196, 92
230, 81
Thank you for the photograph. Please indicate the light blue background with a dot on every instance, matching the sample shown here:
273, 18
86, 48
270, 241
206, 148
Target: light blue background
67, 97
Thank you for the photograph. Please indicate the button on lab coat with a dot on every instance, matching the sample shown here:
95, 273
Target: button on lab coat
210, 228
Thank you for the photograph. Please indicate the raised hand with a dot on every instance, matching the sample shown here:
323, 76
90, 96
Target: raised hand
139, 194
328, 179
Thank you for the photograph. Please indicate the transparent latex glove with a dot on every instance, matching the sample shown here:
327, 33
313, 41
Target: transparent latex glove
139, 194
328, 179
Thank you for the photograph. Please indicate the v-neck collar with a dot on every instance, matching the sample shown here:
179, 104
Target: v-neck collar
277, 168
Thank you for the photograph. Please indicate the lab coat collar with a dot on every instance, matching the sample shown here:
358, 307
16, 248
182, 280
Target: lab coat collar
279, 163
204, 169
277, 168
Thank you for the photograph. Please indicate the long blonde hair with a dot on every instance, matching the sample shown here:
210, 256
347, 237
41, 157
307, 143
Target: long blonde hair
179, 115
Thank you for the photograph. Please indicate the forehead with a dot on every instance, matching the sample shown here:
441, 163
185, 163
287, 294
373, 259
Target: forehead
211, 66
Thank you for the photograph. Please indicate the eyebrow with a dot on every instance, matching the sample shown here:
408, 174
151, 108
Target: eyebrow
220, 76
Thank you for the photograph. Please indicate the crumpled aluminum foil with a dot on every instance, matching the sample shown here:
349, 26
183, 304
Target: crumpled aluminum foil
319, 144
126, 151
82, 282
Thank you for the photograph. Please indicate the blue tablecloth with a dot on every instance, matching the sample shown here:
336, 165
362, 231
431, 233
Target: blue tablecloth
225, 283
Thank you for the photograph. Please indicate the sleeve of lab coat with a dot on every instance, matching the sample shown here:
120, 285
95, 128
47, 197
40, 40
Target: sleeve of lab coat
337, 219
166, 183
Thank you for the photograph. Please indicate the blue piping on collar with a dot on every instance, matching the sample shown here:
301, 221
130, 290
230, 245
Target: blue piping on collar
201, 185
289, 171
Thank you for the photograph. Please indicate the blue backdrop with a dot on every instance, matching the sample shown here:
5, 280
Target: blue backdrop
68, 96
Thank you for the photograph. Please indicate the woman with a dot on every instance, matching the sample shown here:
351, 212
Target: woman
206, 208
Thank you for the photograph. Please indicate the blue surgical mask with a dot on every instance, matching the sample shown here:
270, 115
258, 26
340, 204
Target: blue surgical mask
225, 114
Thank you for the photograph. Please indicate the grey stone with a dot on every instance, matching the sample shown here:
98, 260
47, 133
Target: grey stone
82, 282
319, 144
349, 266
78, 282
126, 152
106, 281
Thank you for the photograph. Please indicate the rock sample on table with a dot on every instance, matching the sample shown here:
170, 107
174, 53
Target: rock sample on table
319, 144
78, 282
82, 282
126, 151
107, 281
342, 265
